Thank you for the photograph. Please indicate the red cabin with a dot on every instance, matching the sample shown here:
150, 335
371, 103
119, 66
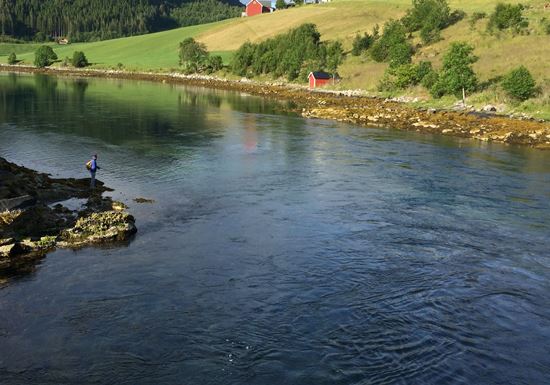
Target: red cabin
257, 7
318, 79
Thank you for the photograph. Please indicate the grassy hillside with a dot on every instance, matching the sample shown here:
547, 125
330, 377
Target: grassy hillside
156, 51
342, 20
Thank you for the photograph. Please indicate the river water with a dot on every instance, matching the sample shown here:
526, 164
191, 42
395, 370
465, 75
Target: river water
279, 250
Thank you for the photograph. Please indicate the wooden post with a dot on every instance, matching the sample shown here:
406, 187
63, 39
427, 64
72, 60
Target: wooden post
463, 97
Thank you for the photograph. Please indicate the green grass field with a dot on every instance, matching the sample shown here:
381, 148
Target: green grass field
156, 51
342, 20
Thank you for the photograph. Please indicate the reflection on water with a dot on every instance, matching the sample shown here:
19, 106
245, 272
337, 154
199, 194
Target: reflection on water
278, 250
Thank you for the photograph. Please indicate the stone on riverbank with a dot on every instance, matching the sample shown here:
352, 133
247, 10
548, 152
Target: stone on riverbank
99, 227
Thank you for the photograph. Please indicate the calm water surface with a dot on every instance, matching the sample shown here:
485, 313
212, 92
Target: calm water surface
279, 250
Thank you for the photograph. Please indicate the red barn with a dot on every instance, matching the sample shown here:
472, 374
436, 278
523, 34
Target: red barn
257, 7
318, 79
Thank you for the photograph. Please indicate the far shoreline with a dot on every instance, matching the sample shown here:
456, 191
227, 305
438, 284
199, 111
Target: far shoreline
346, 106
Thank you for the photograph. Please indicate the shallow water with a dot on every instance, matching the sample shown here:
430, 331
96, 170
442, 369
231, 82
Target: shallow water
279, 250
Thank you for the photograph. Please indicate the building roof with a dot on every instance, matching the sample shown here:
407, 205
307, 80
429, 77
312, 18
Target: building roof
264, 3
320, 75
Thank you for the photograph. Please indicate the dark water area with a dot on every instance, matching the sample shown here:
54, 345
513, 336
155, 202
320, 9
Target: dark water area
279, 250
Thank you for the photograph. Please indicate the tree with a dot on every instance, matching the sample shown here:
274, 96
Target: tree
193, 55
79, 59
361, 44
86, 20
290, 55
12, 59
429, 17
457, 75
335, 56
280, 4
392, 46
243, 59
44, 56
519, 84
507, 16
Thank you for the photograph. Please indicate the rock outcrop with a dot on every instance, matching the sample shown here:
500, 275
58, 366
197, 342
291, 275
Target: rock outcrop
33, 223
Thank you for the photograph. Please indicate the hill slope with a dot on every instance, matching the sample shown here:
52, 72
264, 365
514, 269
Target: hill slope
155, 51
342, 20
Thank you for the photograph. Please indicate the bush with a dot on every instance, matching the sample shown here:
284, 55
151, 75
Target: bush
280, 4
430, 79
429, 17
457, 73
44, 56
334, 56
519, 84
215, 63
79, 60
392, 46
406, 75
387, 83
193, 55
361, 44
476, 16
243, 59
287, 54
507, 16
12, 59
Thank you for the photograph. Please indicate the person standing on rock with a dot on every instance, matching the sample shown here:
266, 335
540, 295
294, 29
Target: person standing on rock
92, 167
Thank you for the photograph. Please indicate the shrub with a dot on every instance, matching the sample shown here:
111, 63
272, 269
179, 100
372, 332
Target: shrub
399, 54
429, 17
286, 54
407, 75
280, 4
361, 44
476, 16
12, 59
387, 83
44, 56
215, 63
519, 84
392, 46
193, 55
457, 73
79, 60
423, 69
507, 16
334, 56
430, 79
243, 58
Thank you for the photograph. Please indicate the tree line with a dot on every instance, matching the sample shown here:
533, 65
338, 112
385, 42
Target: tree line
88, 20
293, 55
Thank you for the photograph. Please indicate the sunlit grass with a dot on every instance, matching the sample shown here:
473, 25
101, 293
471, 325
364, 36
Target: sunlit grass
342, 20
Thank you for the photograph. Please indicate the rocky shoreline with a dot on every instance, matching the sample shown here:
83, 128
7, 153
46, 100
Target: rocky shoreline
350, 106
34, 218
